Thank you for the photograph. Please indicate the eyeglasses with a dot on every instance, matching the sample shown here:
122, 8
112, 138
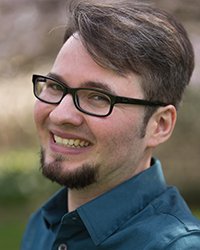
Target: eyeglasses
90, 101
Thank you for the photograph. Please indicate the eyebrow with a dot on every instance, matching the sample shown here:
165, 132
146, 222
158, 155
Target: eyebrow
56, 77
87, 84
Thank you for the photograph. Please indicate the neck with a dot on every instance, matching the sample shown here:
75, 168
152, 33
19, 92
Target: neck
77, 198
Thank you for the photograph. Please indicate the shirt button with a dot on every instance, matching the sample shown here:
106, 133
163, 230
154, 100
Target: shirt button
62, 247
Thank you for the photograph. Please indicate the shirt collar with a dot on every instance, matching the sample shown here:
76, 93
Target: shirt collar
105, 214
55, 208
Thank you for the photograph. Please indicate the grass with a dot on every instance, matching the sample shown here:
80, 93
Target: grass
14, 216
11, 234
13, 220
22, 189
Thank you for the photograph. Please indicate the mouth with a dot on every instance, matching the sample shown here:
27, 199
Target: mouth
70, 142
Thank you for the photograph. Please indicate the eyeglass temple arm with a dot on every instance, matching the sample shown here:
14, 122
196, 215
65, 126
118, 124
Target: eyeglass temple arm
127, 100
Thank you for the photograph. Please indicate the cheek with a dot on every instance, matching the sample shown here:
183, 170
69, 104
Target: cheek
38, 113
118, 146
116, 134
121, 134
41, 113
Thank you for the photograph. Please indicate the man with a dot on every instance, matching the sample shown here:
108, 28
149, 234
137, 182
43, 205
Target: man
109, 100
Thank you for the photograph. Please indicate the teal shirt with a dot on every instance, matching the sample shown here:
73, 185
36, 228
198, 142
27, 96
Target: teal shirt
142, 213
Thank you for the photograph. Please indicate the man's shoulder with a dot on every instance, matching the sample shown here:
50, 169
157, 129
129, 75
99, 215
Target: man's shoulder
169, 224
186, 242
173, 207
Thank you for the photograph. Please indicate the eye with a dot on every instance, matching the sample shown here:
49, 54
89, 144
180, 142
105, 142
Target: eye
98, 99
53, 86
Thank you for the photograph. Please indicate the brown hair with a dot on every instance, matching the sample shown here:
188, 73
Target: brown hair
126, 36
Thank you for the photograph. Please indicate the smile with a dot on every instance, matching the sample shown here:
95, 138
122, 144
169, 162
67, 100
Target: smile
72, 143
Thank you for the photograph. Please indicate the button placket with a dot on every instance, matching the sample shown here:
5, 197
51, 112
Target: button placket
62, 247
66, 230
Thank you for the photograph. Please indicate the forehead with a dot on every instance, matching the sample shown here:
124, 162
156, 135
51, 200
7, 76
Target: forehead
75, 66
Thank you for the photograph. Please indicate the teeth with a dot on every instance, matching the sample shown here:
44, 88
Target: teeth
74, 143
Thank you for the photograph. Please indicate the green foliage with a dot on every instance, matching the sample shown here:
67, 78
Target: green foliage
22, 189
196, 212
20, 178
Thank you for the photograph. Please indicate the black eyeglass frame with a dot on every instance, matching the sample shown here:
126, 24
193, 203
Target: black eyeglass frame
113, 99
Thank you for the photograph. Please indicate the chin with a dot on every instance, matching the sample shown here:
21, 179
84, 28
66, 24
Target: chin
79, 178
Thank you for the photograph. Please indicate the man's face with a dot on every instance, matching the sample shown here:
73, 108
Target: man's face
78, 149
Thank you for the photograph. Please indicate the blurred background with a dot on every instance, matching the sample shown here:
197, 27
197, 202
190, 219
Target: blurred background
31, 34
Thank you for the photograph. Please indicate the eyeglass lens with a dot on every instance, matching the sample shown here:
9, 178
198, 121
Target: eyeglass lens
88, 100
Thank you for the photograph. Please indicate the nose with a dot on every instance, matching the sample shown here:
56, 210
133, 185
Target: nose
66, 113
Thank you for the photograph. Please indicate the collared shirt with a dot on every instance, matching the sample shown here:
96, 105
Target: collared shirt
142, 213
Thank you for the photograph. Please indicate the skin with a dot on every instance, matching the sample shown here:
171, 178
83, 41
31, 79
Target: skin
116, 148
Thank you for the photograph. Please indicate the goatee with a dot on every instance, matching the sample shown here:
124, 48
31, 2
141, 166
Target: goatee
79, 178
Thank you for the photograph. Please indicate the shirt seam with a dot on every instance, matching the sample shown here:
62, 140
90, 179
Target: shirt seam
178, 219
187, 230
181, 236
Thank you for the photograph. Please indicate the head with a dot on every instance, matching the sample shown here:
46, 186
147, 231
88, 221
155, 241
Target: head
126, 36
126, 49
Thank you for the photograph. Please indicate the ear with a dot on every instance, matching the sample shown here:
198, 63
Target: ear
161, 125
